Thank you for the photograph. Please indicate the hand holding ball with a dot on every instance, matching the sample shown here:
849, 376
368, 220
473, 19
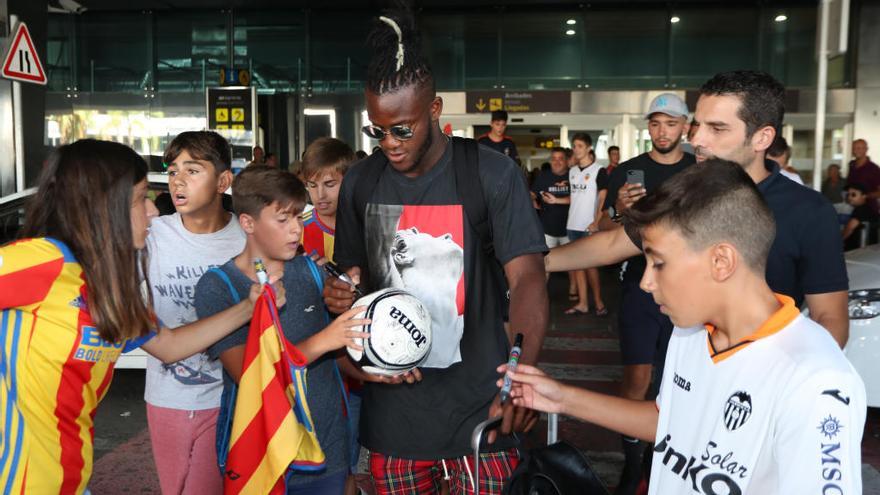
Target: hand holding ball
400, 333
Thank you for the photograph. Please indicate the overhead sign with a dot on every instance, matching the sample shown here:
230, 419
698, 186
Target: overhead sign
22, 62
518, 101
235, 77
231, 109
232, 112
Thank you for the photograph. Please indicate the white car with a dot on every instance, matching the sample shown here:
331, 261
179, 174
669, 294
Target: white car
863, 347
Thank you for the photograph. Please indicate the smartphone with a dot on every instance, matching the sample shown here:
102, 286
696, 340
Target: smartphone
635, 176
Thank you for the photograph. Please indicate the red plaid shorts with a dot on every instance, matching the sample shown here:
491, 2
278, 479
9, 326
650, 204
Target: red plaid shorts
397, 476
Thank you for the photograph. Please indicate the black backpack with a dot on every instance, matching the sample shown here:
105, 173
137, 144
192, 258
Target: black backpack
469, 186
557, 469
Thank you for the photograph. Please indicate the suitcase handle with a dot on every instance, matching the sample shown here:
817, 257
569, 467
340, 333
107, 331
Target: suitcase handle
476, 440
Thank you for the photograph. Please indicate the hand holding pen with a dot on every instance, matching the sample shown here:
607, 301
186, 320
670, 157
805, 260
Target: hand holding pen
334, 271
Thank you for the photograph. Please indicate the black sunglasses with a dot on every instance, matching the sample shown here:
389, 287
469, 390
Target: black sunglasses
399, 132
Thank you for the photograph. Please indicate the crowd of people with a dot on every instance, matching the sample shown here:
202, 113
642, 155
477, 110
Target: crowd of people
720, 248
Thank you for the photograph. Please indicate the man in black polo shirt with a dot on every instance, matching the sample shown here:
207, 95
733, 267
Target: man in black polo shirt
496, 139
738, 115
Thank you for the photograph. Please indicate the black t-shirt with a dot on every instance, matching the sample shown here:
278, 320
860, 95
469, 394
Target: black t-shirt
505, 146
655, 174
554, 216
414, 234
863, 214
807, 256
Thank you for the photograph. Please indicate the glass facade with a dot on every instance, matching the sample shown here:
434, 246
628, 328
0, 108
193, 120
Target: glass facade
319, 51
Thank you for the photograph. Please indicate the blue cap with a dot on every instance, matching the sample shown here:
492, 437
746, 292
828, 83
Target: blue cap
668, 104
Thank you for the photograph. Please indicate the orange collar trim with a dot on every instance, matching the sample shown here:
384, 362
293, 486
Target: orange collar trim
777, 321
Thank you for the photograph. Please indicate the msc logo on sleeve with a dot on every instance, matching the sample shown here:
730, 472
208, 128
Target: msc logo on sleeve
93, 349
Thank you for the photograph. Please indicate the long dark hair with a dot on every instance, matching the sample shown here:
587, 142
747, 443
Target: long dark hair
84, 199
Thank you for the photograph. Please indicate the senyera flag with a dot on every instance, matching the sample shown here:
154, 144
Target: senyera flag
272, 430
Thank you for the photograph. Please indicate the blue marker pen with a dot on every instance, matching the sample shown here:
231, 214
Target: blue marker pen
515, 352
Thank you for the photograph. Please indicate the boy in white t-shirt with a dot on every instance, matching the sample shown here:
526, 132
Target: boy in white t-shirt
183, 399
588, 184
755, 397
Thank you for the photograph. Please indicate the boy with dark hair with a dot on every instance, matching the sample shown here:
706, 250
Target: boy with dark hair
862, 219
613, 159
496, 139
415, 230
268, 203
780, 152
183, 398
755, 397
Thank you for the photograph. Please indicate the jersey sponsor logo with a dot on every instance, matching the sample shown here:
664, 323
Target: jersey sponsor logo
681, 382
714, 473
830, 427
94, 349
832, 470
836, 394
737, 410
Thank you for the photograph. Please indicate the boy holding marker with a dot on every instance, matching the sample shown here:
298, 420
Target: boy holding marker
755, 398
268, 203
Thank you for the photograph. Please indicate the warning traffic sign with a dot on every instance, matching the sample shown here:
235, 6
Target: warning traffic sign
21, 62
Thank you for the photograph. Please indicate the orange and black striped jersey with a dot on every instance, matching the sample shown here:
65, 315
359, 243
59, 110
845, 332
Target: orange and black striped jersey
54, 369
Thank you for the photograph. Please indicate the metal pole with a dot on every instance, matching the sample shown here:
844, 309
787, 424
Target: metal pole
17, 124
821, 93
552, 428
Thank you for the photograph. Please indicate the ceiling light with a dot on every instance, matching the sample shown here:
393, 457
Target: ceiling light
571, 22
781, 18
675, 19
570, 32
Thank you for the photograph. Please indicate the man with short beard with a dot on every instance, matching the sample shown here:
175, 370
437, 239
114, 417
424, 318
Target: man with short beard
643, 330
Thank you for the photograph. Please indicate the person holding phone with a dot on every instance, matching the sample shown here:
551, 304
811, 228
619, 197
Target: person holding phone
643, 330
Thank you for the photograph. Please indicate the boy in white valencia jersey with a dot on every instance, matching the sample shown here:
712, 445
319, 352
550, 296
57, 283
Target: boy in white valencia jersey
783, 412
755, 398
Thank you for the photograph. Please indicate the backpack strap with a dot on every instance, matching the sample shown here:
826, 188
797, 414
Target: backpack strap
227, 398
470, 190
224, 277
373, 166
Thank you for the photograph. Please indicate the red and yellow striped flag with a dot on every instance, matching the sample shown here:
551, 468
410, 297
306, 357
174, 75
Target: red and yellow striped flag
272, 429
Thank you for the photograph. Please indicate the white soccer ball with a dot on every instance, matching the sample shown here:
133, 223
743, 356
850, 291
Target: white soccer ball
400, 333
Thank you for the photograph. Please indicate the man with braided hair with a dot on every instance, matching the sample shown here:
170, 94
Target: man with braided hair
419, 431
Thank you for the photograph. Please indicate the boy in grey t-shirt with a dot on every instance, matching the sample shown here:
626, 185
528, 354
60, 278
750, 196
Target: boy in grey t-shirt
183, 398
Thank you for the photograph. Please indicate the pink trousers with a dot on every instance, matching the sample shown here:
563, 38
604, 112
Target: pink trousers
184, 451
